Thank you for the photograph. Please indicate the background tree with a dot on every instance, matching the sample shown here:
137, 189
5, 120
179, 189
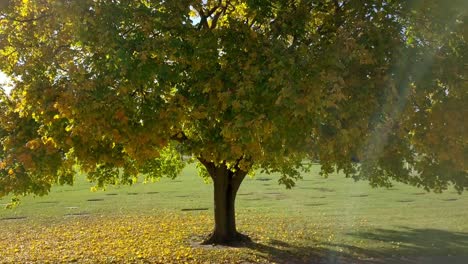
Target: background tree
119, 89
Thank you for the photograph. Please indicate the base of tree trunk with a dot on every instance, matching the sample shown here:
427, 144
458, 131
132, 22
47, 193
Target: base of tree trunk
237, 239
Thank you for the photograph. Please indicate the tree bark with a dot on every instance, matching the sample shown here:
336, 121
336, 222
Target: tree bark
226, 184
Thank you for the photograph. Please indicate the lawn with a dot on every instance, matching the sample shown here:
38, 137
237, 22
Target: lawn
332, 220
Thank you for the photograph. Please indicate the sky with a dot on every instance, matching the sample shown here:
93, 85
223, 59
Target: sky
4, 82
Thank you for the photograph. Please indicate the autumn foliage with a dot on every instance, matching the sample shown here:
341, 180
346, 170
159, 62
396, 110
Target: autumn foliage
119, 89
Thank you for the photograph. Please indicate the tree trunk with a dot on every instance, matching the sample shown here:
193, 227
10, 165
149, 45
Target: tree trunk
225, 183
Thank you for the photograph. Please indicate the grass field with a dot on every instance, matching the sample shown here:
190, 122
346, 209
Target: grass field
332, 220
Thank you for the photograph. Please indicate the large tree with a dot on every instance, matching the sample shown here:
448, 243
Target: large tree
119, 89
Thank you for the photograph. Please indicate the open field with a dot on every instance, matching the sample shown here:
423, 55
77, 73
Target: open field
330, 220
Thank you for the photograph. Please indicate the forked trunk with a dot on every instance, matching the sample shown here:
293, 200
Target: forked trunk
225, 183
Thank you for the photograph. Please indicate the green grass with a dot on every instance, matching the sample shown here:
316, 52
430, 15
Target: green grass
350, 220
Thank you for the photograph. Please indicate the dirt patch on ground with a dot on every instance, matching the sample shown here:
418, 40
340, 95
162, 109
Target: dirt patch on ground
193, 209
450, 199
77, 214
405, 201
323, 189
359, 195
13, 218
95, 200
315, 204
264, 179
48, 202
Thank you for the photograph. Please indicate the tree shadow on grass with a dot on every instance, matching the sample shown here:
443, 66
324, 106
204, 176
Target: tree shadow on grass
281, 252
402, 245
410, 245
277, 251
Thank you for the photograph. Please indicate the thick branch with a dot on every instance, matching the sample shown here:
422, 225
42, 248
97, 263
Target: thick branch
212, 10
27, 20
251, 23
239, 174
237, 178
203, 22
218, 14
210, 166
204, 16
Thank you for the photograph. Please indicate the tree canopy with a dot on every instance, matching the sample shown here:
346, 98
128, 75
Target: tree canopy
119, 89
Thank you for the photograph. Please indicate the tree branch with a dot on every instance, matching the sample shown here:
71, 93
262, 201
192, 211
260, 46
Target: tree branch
179, 137
218, 14
212, 10
210, 167
337, 5
237, 179
251, 24
240, 174
204, 16
203, 23
27, 20
60, 48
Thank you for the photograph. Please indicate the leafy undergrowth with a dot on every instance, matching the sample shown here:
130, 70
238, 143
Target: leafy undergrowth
165, 238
